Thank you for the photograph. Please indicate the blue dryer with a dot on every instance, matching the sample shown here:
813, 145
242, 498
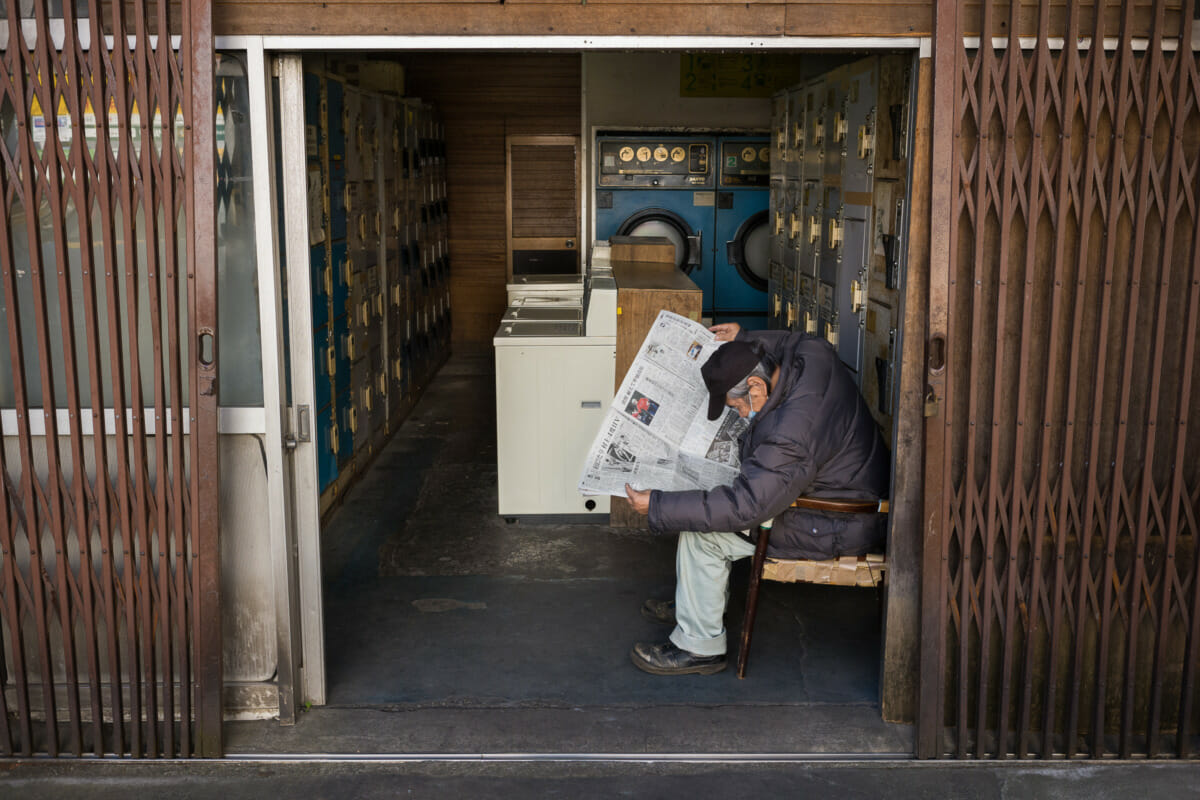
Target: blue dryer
742, 231
650, 185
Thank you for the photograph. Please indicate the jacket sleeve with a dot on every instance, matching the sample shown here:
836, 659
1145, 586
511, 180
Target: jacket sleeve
778, 471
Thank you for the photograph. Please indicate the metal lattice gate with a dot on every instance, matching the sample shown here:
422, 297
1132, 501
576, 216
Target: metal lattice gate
109, 598
1062, 598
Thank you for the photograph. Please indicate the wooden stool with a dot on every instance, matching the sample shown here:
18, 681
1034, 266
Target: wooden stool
866, 570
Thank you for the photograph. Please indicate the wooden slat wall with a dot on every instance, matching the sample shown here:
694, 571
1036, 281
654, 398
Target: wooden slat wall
622, 18
545, 202
482, 98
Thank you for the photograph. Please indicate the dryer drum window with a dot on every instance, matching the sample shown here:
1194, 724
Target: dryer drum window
749, 250
662, 222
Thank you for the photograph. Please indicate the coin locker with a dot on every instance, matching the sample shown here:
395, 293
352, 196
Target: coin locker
379, 228
838, 214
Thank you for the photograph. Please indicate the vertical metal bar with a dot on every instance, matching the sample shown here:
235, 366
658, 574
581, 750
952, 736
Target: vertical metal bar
108, 173
306, 489
1191, 663
270, 308
22, 495
1117, 486
942, 106
75, 92
24, 71
1179, 494
1068, 101
111, 179
130, 436
144, 197
1009, 61
93, 190
1086, 266
155, 200
202, 297
8, 591
52, 165
174, 566
972, 515
1041, 64
1151, 109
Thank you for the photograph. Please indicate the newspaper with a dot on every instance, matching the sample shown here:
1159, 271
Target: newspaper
657, 434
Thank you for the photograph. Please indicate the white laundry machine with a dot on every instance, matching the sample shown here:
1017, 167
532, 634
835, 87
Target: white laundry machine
553, 387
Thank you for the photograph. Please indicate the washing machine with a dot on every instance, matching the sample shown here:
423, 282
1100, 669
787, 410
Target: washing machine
652, 185
742, 227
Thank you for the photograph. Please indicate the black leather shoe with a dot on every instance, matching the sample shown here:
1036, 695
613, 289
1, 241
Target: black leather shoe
659, 611
667, 659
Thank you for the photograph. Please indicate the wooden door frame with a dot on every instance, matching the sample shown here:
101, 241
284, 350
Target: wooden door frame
546, 242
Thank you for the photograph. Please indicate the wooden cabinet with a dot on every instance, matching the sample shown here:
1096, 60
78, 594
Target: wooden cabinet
645, 288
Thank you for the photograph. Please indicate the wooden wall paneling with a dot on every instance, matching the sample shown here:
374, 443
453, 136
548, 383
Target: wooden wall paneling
859, 19
484, 97
622, 18
559, 19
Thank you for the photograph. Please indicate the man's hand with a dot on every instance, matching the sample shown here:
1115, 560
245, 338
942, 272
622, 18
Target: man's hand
639, 500
726, 331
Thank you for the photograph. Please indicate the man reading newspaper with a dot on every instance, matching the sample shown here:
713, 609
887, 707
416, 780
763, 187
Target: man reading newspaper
810, 434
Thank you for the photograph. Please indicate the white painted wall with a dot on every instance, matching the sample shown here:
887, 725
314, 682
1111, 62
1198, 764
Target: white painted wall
642, 90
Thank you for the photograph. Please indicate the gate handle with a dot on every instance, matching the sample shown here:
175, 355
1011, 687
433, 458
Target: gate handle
206, 347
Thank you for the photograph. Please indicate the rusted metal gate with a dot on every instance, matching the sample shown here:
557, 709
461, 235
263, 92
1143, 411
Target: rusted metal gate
1061, 607
109, 592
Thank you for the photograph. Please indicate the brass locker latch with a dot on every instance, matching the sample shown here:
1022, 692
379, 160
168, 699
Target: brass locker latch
349, 340
334, 435
793, 226
810, 322
330, 361
352, 420
797, 135
814, 229
835, 227
367, 399
839, 127
778, 301
328, 276
778, 222
835, 233
818, 131
791, 315
857, 296
382, 381
866, 142
831, 333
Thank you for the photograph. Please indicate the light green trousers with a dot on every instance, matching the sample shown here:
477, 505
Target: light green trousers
702, 563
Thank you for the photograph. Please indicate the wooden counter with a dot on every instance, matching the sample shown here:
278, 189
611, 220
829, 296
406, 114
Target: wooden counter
645, 288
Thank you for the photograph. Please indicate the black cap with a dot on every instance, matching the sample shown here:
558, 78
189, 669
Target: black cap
725, 369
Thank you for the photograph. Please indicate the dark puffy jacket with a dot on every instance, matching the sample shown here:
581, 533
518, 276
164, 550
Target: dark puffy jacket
814, 437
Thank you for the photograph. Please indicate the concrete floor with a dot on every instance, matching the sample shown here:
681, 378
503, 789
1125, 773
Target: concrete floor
450, 630
500, 669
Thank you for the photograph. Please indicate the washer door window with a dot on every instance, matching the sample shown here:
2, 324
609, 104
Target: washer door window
668, 224
750, 249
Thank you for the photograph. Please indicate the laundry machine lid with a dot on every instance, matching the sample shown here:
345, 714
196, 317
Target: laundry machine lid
750, 250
